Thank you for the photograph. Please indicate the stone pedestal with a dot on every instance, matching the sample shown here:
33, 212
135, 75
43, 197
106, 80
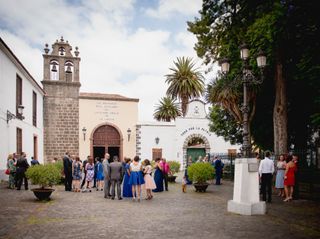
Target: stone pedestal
246, 199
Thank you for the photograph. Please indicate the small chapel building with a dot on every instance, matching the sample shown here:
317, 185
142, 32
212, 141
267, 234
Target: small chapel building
188, 136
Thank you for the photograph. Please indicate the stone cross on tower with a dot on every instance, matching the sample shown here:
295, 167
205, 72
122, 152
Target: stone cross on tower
61, 102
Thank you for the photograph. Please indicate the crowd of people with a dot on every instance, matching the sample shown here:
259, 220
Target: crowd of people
285, 169
129, 177
124, 179
16, 168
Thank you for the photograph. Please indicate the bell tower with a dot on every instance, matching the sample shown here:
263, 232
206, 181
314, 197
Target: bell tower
61, 103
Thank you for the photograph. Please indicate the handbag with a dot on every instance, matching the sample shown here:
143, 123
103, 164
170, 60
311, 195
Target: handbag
7, 171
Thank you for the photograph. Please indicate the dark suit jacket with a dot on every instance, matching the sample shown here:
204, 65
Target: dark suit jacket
22, 165
115, 171
67, 165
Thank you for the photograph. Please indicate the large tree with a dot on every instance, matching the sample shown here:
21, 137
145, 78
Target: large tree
185, 81
167, 110
287, 31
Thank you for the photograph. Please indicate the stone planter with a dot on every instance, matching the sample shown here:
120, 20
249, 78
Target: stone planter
42, 193
172, 178
201, 187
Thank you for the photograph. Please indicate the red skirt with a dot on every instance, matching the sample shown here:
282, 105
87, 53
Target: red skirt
290, 180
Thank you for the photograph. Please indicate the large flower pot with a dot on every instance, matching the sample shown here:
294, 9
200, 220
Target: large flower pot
201, 187
42, 193
172, 178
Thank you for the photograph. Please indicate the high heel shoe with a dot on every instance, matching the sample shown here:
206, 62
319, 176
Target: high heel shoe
286, 200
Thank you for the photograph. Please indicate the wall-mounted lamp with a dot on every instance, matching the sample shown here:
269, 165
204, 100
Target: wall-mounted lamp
84, 131
129, 133
11, 116
157, 140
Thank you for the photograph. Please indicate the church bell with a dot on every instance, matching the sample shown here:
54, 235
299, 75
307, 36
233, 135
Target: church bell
54, 68
68, 69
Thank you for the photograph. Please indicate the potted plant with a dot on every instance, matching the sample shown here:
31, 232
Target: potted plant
200, 173
45, 176
174, 168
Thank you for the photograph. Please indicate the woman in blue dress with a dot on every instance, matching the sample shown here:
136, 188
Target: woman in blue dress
127, 190
136, 178
158, 177
100, 175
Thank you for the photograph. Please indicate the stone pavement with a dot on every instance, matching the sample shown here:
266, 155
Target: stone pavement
170, 214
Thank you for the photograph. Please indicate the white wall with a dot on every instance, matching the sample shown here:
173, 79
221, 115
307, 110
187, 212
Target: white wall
173, 135
8, 71
166, 134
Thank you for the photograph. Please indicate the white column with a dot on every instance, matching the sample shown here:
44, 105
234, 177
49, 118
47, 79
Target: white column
246, 198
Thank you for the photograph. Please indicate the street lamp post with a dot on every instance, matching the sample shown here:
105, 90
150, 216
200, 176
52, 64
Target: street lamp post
246, 198
247, 77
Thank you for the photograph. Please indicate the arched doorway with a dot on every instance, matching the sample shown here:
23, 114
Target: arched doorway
195, 145
106, 139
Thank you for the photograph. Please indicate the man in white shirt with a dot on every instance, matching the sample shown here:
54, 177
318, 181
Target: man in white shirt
266, 170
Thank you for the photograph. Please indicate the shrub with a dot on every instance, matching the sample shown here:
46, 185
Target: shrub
44, 175
174, 167
200, 172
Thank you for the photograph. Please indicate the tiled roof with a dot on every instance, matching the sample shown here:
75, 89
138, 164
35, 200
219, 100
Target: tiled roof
101, 96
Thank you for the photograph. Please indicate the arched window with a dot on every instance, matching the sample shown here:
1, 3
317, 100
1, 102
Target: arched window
62, 51
54, 70
68, 68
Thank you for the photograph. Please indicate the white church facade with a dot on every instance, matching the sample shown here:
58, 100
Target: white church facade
187, 136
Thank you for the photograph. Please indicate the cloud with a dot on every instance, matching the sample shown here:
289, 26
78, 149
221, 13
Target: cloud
115, 58
168, 8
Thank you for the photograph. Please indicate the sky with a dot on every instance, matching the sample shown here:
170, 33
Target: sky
126, 46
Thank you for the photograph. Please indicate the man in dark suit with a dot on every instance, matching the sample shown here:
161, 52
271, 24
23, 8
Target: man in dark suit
106, 170
115, 172
67, 169
22, 166
85, 171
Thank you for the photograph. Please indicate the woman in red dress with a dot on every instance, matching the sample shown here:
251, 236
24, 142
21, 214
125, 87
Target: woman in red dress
289, 179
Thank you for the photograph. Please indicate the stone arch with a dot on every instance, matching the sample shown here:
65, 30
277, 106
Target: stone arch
185, 146
117, 142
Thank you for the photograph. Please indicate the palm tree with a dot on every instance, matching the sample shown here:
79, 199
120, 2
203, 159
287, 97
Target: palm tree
185, 82
226, 93
167, 110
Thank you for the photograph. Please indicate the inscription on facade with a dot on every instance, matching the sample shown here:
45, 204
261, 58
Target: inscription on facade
106, 111
195, 129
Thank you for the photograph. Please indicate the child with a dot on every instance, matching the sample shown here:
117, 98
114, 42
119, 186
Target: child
184, 184
149, 181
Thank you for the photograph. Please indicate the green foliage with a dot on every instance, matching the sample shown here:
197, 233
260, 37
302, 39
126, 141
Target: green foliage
288, 32
44, 175
174, 166
59, 165
167, 110
200, 172
185, 81
223, 124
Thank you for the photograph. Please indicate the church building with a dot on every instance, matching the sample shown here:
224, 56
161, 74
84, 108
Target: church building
59, 118
82, 123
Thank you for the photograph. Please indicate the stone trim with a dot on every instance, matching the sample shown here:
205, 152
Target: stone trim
185, 147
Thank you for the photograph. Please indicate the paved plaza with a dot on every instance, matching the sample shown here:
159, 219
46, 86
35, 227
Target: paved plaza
171, 214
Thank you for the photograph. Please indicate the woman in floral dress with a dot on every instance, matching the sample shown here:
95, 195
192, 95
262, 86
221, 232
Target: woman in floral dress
90, 173
12, 169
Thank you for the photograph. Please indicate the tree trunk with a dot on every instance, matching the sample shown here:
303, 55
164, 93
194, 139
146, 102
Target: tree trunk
280, 112
184, 103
